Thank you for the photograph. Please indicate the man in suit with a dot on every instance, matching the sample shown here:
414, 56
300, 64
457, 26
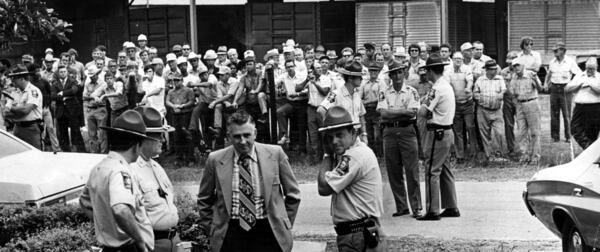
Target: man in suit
248, 196
65, 92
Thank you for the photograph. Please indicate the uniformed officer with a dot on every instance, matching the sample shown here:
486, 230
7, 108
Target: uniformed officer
26, 108
354, 183
157, 189
112, 195
349, 97
439, 109
398, 105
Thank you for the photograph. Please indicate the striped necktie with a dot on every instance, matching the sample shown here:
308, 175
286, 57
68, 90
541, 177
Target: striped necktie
247, 206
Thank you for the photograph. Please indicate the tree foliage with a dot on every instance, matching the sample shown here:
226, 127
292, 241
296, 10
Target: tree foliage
23, 20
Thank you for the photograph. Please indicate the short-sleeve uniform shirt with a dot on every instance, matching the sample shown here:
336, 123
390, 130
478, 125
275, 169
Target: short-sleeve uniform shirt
352, 103
161, 210
30, 95
113, 182
357, 183
442, 104
406, 98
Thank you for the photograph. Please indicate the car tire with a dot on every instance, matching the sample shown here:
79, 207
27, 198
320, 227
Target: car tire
572, 240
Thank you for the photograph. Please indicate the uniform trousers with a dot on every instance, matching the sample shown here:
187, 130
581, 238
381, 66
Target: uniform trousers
465, 134
96, 118
560, 101
528, 122
65, 123
509, 111
355, 242
401, 156
31, 134
585, 125
491, 130
259, 238
166, 245
421, 129
49, 129
315, 121
373, 130
439, 180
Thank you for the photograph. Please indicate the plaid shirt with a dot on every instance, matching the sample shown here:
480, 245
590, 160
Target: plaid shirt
491, 91
259, 201
523, 87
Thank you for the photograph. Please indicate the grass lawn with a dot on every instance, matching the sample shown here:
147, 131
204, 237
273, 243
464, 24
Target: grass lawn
552, 154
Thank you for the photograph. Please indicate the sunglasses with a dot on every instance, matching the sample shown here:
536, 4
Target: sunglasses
413, 50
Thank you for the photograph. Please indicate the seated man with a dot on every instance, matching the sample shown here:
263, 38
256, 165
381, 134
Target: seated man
295, 104
251, 90
226, 88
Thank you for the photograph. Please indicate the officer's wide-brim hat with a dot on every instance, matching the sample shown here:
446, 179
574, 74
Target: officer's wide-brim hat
434, 60
335, 118
153, 120
395, 65
351, 68
131, 123
19, 70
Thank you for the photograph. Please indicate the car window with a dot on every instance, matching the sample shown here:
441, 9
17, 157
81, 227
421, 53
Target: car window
10, 146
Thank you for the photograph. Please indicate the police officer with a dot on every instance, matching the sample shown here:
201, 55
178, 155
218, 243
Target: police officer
354, 183
398, 105
157, 189
439, 109
26, 108
349, 97
112, 195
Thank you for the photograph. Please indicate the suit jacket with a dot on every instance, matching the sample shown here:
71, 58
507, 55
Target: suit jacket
281, 193
69, 103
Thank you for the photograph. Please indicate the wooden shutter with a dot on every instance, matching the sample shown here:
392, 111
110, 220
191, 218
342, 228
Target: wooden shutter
372, 23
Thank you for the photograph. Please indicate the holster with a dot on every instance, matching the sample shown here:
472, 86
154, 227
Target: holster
371, 234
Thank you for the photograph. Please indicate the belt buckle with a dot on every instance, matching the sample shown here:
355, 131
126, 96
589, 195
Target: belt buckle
172, 233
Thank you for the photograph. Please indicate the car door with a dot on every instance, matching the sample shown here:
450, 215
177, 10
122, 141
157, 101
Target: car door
586, 204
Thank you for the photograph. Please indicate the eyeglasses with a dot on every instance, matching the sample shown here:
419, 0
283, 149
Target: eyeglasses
413, 50
531, 43
240, 136
346, 55
111, 66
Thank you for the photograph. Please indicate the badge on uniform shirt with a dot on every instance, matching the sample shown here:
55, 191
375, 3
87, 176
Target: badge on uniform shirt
127, 181
431, 94
34, 93
342, 168
331, 97
381, 96
415, 94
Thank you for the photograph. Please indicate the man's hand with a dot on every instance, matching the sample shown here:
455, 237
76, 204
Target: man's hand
141, 247
254, 91
60, 93
211, 105
234, 105
176, 110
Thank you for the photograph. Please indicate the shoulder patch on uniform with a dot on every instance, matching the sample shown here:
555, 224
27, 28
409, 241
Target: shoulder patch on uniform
431, 94
381, 95
127, 180
34, 93
342, 168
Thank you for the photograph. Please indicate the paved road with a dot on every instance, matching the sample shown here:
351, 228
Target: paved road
490, 210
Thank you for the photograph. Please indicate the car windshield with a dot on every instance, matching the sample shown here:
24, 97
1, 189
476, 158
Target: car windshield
10, 146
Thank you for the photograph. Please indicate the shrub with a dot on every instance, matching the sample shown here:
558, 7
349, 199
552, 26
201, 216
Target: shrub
188, 228
58, 239
20, 221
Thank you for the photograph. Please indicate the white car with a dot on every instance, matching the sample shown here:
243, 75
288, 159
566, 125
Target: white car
36, 178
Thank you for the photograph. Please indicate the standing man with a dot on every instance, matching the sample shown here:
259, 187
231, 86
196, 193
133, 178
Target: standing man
95, 111
248, 197
439, 109
489, 94
586, 122
26, 108
476, 66
370, 90
386, 50
46, 90
113, 91
465, 134
65, 92
181, 100
318, 87
398, 105
112, 196
221, 57
354, 183
509, 107
531, 59
156, 187
560, 71
525, 85
478, 52
414, 64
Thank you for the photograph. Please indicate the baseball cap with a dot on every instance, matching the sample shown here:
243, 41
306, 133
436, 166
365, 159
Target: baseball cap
466, 46
171, 57
181, 60
176, 48
232, 51
157, 61
288, 49
142, 37
210, 54
249, 55
224, 70
222, 50
192, 55
48, 50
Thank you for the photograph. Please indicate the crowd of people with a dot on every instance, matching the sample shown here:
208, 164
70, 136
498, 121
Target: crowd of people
423, 102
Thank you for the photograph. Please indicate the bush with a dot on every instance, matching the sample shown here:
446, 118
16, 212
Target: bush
188, 228
58, 239
20, 221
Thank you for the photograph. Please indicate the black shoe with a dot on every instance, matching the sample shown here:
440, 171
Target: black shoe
398, 214
556, 140
429, 217
416, 214
450, 212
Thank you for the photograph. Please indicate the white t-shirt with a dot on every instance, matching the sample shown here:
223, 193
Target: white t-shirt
156, 101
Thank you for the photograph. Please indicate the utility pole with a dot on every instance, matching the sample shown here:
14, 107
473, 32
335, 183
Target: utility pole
193, 26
